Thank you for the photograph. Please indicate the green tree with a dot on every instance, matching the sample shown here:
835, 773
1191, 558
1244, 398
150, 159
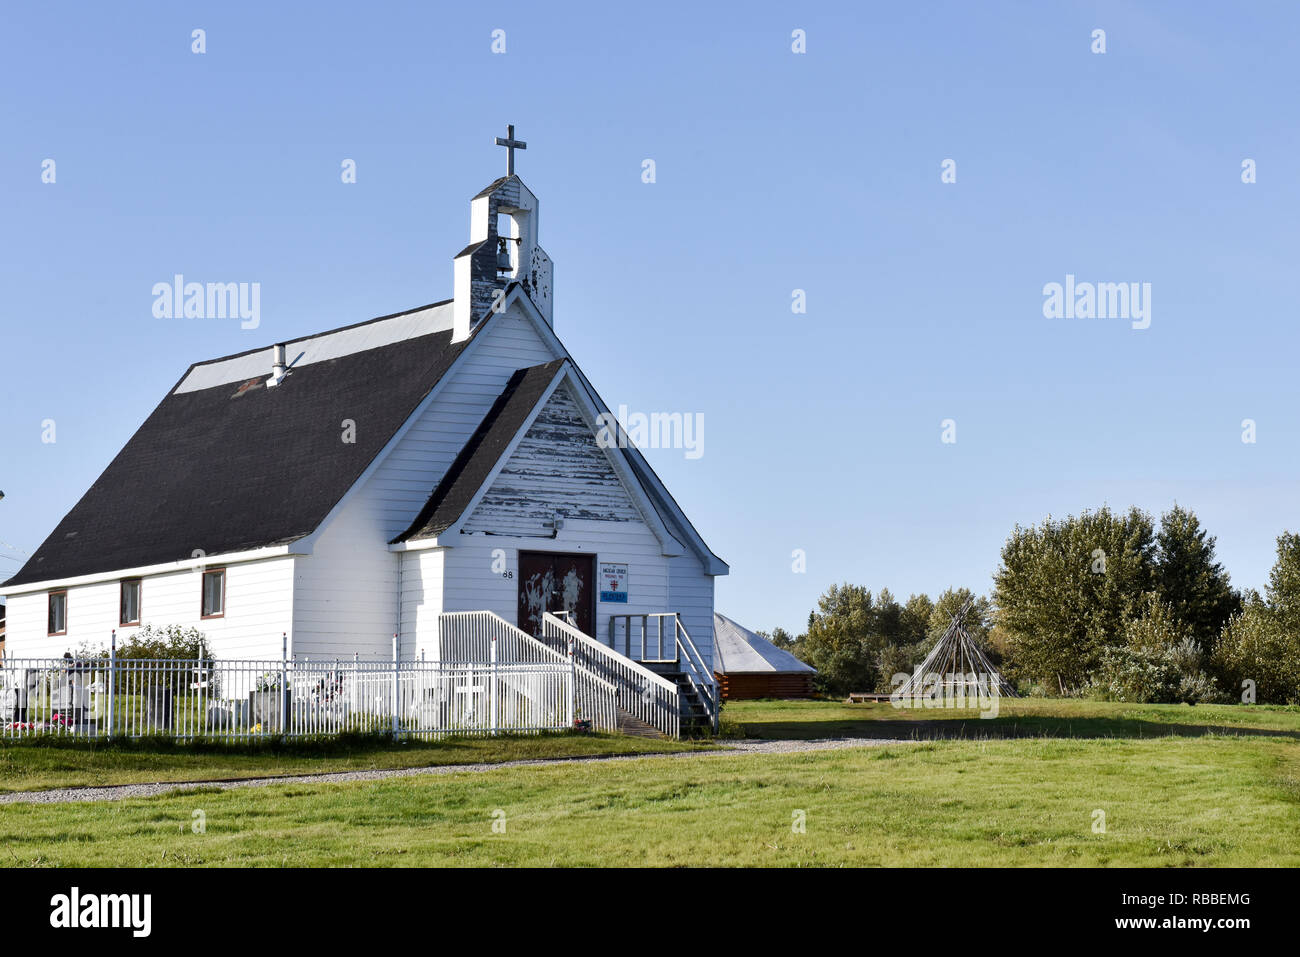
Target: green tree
841, 640
154, 642
1261, 644
161, 643
1188, 578
915, 619
898, 659
1160, 661
780, 637
1255, 649
1066, 589
888, 626
1283, 589
978, 618
1156, 628
785, 641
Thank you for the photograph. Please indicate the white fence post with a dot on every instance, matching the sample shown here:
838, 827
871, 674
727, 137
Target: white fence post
284, 680
572, 686
397, 689
493, 691
112, 680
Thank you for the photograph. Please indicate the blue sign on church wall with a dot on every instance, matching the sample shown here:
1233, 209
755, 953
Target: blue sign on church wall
613, 582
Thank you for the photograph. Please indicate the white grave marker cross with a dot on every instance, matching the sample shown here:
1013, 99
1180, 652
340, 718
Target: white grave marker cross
469, 690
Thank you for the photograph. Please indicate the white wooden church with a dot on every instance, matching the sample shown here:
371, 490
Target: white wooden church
358, 484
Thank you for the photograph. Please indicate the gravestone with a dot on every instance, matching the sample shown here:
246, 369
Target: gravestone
264, 708
219, 718
19, 693
70, 698
158, 708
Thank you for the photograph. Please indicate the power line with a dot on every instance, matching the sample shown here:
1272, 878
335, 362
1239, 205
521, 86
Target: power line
13, 548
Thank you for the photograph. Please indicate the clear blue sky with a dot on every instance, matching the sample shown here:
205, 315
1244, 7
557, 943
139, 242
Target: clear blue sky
775, 171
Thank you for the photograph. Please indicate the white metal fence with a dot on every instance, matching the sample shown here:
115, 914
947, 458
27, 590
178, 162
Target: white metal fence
234, 700
489, 677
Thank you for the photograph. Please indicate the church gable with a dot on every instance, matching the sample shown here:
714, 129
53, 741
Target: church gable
557, 469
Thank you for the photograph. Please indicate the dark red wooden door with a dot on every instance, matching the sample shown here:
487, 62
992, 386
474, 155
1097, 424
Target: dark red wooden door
551, 581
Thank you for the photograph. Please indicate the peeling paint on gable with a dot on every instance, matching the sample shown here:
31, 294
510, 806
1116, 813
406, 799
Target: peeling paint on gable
556, 468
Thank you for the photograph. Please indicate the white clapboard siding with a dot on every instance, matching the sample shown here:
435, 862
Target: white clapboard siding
347, 589
259, 603
25, 626
690, 593
422, 601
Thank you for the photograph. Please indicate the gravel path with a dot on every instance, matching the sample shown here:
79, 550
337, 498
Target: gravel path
119, 792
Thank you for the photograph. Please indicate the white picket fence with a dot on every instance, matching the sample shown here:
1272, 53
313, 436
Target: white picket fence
245, 699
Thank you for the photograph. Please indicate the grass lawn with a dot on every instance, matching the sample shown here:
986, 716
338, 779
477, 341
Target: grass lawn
1017, 717
1179, 786
31, 765
1168, 802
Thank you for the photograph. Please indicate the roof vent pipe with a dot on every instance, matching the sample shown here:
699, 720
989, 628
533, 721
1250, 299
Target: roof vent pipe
278, 368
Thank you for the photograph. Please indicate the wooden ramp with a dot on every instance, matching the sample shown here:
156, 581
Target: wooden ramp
627, 724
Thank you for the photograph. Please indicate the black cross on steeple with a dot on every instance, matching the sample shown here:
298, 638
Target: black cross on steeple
511, 144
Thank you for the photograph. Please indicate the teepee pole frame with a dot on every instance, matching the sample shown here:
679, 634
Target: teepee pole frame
955, 655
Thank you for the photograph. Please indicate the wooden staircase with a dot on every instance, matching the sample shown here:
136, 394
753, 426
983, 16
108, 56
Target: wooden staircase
672, 694
696, 719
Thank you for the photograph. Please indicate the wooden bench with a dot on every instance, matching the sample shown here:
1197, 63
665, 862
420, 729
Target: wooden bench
862, 697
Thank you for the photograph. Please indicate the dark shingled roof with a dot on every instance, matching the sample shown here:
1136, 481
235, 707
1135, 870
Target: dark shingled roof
490, 187
482, 452
212, 471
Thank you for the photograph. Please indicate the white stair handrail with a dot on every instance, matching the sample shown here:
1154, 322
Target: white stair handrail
527, 641
707, 686
471, 633
648, 697
468, 636
590, 644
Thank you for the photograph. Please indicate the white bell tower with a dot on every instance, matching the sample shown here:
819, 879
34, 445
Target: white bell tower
502, 250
